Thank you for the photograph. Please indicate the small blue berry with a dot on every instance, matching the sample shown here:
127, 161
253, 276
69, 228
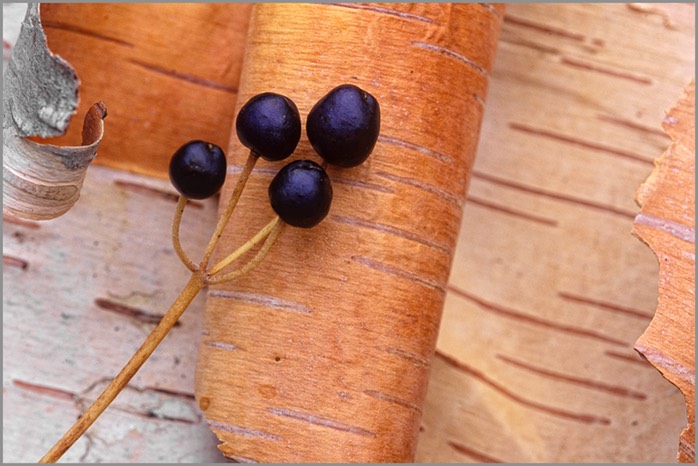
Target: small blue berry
343, 126
197, 169
301, 193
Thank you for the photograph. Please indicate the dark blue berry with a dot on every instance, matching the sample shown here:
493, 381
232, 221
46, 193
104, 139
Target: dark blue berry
343, 126
269, 124
301, 193
197, 169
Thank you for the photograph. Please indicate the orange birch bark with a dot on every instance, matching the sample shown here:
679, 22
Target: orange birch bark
322, 354
168, 73
667, 224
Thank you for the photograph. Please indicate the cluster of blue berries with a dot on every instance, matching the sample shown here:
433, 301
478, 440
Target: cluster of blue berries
342, 128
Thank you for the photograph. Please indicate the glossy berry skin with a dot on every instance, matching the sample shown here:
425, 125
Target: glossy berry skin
197, 169
269, 124
343, 126
301, 193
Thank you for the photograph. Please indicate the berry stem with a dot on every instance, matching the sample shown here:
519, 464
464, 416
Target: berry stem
175, 235
196, 283
268, 243
234, 198
245, 247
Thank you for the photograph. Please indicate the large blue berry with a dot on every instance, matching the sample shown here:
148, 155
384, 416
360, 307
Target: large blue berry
343, 126
301, 193
197, 169
269, 124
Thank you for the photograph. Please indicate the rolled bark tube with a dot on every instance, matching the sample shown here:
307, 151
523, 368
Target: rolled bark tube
322, 353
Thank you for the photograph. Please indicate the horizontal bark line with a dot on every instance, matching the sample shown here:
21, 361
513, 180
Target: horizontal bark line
415, 359
534, 320
424, 186
86, 32
152, 191
544, 28
615, 73
13, 261
510, 211
391, 230
440, 156
321, 421
445, 51
588, 383
52, 392
633, 125
490, 9
386, 11
606, 306
150, 414
163, 391
531, 45
221, 345
129, 311
398, 272
62, 394
561, 413
628, 358
470, 452
675, 229
186, 77
260, 299
379, 395
552, 195
578, 142
664, 361
244, 431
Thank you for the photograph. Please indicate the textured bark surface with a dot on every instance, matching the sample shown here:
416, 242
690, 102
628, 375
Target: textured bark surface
667, 224
548, 289
330, 340
80, 294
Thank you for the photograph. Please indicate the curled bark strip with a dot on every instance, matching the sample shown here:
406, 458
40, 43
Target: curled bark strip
43, 181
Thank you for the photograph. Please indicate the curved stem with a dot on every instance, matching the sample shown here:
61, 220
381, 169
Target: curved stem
181, 203
234, 198
245, 247
268, 243
195, 284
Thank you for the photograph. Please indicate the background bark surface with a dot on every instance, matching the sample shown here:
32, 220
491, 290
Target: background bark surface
548, 290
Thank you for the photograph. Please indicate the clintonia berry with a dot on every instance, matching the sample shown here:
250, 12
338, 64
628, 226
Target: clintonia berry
269, 125
197, 169
301, 193
343, 126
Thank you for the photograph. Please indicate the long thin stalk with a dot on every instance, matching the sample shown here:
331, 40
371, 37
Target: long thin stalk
268, 243
195, 284
175, 235
245, 247
200, 278
234, 198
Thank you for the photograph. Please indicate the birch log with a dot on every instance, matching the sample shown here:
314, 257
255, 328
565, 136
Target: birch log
322, 354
